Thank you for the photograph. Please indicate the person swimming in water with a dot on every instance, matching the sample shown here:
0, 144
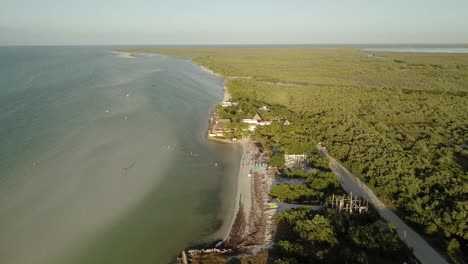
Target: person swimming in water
125, 170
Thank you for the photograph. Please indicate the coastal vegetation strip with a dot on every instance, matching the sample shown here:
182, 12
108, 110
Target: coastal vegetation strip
397, 121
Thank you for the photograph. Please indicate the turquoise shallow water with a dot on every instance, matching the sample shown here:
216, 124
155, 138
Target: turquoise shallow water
71, 120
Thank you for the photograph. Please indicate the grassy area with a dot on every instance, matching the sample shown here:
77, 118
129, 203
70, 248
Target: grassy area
397, 120
334, 67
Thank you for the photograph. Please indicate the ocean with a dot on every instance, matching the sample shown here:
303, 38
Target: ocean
103, 158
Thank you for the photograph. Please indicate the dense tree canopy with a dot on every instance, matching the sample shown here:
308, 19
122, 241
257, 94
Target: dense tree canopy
305, 236
396, 120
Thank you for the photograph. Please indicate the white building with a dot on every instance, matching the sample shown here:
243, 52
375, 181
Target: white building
264, 123
264, 108
250, 121
254, 121
226, 104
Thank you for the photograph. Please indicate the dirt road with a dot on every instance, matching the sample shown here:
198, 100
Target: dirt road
422, 250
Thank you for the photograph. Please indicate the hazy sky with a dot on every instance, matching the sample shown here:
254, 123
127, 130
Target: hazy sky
56, 22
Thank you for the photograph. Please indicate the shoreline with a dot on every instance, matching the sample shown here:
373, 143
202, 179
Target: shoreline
208, 70
241, 184
243, 200
243, 143
226, 95
251, 225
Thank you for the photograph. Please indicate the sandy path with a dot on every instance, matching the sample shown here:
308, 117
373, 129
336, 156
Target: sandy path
226, 96
422, 250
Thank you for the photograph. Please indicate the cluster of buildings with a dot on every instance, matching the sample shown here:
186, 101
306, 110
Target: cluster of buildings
226, 104
255, 121
219, 127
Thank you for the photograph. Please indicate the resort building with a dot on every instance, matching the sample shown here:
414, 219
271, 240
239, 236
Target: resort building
226, 104
255, 121
220, 126
264, 123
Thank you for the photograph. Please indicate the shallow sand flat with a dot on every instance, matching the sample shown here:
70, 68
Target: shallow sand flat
96, 176
122, 54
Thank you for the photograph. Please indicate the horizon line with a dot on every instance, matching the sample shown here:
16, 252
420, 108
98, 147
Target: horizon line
238, 44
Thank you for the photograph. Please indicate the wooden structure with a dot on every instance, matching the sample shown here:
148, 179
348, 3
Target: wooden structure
349, 204
295, 160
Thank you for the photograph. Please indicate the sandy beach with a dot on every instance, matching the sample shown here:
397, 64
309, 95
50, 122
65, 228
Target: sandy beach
252, 194
250, 230
244, 191
210, 71
252, 226
243, 198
